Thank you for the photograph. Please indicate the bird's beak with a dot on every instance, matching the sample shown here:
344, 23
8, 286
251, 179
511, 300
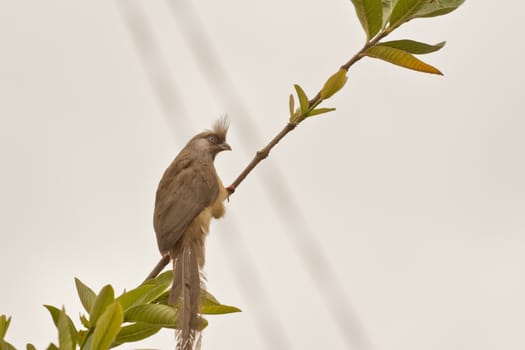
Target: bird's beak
225, 147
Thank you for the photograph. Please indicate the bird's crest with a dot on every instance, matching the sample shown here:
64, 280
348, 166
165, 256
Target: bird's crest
220, 127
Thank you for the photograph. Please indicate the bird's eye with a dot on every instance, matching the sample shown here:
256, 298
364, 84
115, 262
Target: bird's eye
213, 139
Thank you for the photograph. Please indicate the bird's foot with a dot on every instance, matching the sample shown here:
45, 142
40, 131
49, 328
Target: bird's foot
231, 190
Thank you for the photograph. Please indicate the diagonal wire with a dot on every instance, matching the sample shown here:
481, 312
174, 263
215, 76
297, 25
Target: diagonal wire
325, 278
269, 325
157, 70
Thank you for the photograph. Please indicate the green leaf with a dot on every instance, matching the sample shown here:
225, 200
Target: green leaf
143, 294
134, 296
403, 11
219, 309
155, 294
5, 345
4, 325
108, 326
400, 58
434, 8
67, 334
135, 332
30, 346
370, 14
164, 278
211, 306
84, 321
66, 328
52, 347
320, 111
153, 314
54, 311
303, 99
105, 297
86, 295
163, 299
334, 84
413, 47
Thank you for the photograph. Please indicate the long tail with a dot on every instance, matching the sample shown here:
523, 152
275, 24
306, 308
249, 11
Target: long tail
185, 293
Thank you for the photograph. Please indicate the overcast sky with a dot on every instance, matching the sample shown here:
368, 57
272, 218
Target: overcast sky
412, 192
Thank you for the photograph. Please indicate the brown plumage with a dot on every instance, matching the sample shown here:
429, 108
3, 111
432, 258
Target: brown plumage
189, 194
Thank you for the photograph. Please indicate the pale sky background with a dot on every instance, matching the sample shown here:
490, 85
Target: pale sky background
413, 189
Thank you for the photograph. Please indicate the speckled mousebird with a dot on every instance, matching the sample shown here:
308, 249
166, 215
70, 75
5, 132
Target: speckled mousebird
189, 194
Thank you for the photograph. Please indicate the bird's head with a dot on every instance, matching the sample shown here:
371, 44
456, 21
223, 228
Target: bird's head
214, 140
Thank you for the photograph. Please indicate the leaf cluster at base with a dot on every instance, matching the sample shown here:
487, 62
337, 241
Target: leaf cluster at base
111, 321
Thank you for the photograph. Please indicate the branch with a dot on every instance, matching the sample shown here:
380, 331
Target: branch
263, 153
260, 155
159, 267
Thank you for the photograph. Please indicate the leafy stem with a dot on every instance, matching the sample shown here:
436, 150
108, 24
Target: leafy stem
312, 104
377, 26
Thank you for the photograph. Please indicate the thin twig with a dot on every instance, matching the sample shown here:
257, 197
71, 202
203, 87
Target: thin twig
159, 267
260, 155
263, 153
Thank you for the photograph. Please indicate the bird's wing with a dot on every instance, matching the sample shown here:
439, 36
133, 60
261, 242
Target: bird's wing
184, 191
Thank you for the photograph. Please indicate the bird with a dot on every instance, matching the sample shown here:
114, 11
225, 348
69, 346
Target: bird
189, 195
